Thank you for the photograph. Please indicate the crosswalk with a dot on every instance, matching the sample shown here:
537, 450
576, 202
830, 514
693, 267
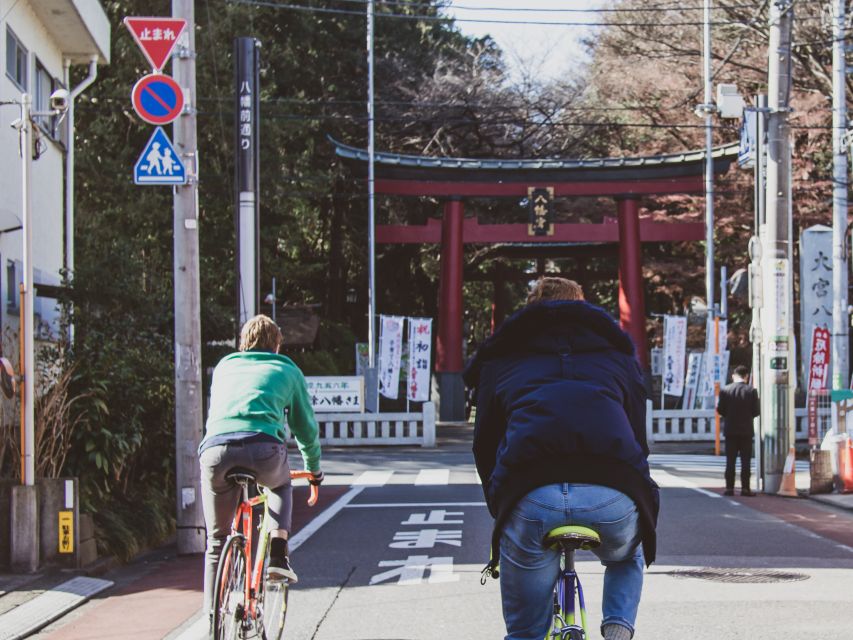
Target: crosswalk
688, 462
467, 475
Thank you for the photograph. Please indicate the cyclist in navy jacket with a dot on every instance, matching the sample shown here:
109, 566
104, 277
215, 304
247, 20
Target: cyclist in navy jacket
560, 439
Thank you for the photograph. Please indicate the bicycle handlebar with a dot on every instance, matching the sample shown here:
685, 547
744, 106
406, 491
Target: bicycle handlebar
315, 489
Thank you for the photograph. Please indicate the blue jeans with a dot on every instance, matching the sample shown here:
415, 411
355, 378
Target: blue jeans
529, 571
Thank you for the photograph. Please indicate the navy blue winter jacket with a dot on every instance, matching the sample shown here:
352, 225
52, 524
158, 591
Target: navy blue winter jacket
560, 398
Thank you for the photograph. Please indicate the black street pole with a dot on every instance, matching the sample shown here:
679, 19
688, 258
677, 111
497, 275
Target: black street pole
246, 218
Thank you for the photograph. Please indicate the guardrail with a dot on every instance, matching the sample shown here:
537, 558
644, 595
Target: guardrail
684, 425
372, 429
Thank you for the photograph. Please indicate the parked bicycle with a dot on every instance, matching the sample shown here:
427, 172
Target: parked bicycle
245, 604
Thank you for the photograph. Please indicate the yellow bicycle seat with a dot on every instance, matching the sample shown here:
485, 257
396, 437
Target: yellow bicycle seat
574, 537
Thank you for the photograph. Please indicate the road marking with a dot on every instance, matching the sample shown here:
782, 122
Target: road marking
408, 505
433, 476
373, 479
668, 480
301, 536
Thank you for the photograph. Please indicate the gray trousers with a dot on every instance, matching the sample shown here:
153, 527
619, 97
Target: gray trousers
220, 497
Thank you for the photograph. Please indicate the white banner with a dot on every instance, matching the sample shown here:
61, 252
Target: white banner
656, 357
674, 346
390, 350
691, 385
420, 349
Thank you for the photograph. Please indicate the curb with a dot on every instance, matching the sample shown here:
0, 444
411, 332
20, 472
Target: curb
51, 605
837, 500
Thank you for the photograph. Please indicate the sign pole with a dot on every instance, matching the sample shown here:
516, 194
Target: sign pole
246, 219
188, 386
840, 318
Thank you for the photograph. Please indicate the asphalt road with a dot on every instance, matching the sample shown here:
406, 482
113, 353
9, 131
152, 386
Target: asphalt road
379, 569
397, 551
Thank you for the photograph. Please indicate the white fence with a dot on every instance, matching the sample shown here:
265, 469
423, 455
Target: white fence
370, 429
678, 425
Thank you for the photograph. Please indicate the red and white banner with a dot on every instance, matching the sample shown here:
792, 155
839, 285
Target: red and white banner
420, 349
818, 376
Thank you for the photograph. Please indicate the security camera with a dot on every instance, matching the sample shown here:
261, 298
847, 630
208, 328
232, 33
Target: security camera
17, 123
59, 100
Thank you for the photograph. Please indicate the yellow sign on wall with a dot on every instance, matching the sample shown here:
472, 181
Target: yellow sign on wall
66, 532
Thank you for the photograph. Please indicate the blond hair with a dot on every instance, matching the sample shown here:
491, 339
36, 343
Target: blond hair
260, 334
553, 288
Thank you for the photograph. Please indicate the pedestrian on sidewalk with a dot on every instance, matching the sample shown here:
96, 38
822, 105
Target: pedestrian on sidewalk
560, 439
254, 391
738, 405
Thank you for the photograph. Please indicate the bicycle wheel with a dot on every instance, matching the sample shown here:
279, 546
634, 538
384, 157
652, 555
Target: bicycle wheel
229, 596
272, 604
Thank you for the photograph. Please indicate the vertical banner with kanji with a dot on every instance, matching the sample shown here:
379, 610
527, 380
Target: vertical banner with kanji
674, 348
420, 349
818, 377
390, 349
691, 386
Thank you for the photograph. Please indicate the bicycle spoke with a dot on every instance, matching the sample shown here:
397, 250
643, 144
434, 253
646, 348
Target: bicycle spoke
272, 604
229, 597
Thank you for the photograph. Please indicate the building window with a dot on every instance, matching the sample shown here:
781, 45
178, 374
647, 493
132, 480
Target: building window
16, 60
45, 86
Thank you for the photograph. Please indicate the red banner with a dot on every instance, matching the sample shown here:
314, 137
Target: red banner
818, 376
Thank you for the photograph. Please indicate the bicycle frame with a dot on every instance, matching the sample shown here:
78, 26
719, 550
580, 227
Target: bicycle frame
567, 585
244, 518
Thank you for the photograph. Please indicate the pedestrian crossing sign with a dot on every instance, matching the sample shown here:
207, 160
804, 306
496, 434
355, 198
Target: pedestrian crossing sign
159, 163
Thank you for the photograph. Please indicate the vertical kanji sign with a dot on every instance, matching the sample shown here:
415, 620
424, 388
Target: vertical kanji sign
818, 376
156, 37
420, 348
390, 349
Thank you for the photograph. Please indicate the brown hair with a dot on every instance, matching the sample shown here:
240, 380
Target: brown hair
553, 288
260, 334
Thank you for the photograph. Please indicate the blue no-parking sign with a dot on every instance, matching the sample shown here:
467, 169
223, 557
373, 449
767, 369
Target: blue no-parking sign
157, 99
159, 163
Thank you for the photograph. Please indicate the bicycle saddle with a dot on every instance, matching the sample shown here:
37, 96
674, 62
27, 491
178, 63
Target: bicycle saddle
573, 537
240, 475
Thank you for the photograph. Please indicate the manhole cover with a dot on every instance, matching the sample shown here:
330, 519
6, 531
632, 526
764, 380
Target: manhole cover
740, 575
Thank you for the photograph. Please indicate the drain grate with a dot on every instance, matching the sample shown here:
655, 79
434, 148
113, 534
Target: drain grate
740, 575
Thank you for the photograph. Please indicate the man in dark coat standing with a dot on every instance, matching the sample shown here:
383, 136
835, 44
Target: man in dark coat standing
560, 439
738, 405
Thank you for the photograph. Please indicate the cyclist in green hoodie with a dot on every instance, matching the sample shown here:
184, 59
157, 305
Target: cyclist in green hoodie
254, 391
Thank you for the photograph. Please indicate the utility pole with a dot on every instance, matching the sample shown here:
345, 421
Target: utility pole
372, 373
776, 256
188, 389
708, 109
838, 343
755, 297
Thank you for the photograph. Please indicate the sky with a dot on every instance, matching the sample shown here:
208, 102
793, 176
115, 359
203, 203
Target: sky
551, 51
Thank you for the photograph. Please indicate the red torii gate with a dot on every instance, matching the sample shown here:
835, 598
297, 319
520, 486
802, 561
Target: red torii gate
454, 179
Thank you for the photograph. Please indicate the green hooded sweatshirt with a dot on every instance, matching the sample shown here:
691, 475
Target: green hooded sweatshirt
260, 392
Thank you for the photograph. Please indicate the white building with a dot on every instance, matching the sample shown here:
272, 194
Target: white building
39, 41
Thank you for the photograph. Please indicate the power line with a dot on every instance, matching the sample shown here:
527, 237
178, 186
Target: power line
649, 8
436, 18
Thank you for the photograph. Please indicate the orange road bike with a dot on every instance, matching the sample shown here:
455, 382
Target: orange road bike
245, 604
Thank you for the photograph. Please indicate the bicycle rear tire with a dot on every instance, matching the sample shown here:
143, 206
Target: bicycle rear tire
272, 604
229, 595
